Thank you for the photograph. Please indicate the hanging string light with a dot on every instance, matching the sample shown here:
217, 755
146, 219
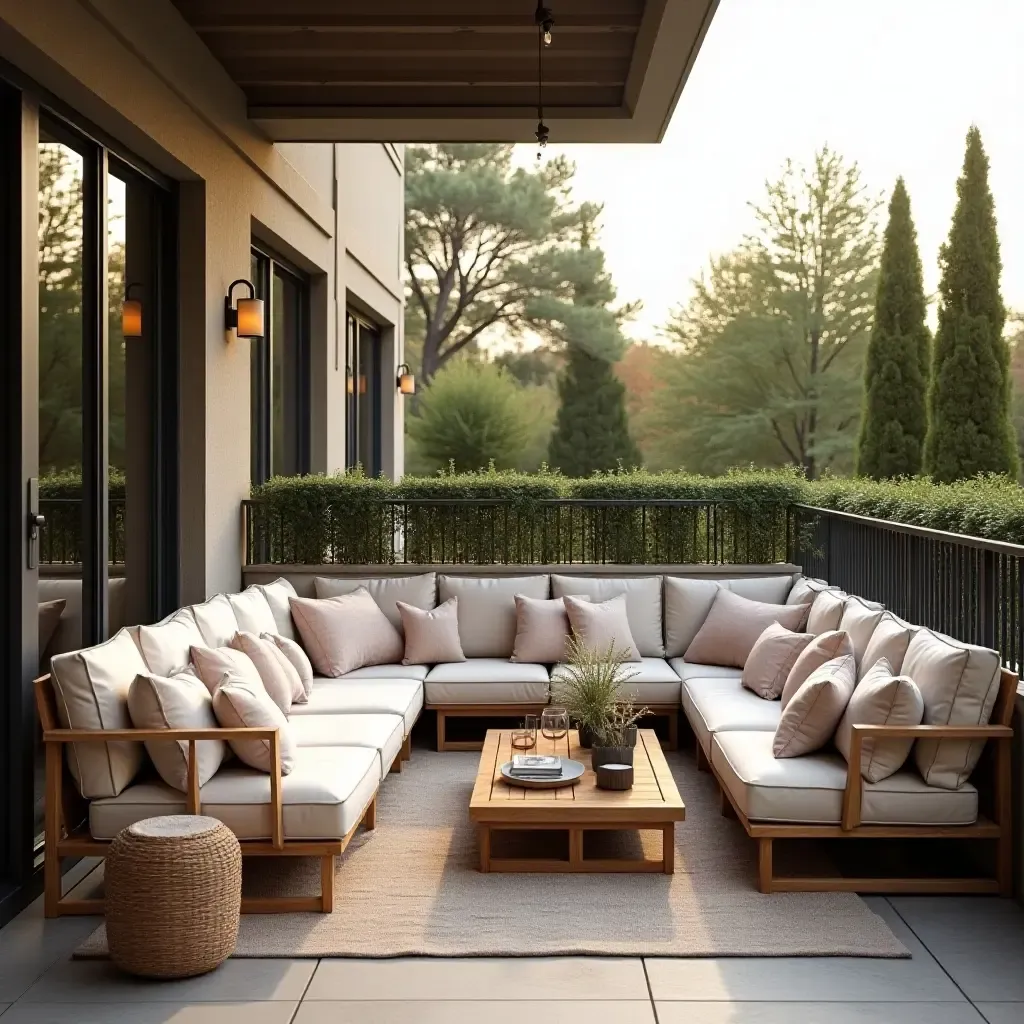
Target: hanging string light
545, 23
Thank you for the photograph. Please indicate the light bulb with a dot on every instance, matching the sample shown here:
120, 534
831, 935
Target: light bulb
547, 37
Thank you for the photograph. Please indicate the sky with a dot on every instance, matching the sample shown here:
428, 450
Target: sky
891, 84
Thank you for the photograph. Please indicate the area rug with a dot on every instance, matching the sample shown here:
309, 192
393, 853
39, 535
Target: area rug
411, 887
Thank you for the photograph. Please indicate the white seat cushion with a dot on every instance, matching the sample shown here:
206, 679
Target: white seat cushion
417, 672
384, 733
686, 671
654, 681
487, 681
402, 697
324, 797
716, 705
809, 789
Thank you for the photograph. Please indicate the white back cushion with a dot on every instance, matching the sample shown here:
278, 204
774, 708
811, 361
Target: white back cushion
167, 646
253, 611
277, 595
959, 683
418, 591
91, 689
859, 620
643, 604
216, 621
487, 610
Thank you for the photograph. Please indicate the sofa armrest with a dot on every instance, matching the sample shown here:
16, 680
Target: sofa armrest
55, 738
852, 796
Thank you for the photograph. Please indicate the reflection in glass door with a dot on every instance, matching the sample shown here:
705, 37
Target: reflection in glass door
364, 394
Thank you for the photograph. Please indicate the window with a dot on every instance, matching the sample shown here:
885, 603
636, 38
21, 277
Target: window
364, 364
280, 372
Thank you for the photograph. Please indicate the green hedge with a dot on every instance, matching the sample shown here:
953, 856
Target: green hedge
351, 519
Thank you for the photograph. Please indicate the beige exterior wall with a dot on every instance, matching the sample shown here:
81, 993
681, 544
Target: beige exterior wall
139, 73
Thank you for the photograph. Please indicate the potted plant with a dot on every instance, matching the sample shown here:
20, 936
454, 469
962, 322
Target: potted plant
614, 743
590, 687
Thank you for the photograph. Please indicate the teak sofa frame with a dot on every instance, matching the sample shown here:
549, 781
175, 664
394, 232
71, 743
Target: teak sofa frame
998, 828
446, 711
60, 842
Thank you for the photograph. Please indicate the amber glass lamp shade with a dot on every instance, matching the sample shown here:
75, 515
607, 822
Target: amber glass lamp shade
405, 382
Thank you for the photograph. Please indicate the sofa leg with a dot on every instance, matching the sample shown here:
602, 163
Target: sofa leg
702, 761
53, 884
396, 766
327, 884
728, 811
370, 816
406, 752
764, 865
441, 745
673, 730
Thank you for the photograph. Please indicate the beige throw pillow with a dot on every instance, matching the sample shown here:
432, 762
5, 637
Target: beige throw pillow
212, 664
600, 625
344, 633
805, 589
431, 635
881, 699
859, 620
243, 705
542, 629
809, 720
826, 611
959, 684
822, 648
299, 661
733, 626
771, 659
181, 702
49, 619
890, 640
279, 678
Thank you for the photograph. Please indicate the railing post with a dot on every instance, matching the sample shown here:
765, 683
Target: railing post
988, 581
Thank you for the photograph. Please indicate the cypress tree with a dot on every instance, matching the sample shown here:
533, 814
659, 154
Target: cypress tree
969, 430
592, 429
894, 421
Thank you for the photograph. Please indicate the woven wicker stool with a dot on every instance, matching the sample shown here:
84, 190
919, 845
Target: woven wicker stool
173, 895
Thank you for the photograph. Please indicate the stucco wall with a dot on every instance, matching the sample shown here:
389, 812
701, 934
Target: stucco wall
139, 73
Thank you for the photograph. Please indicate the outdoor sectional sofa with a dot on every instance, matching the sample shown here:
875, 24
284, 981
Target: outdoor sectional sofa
355, 729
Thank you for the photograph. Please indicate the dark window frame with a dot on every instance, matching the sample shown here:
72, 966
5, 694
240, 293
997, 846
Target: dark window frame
266, 265
357, 327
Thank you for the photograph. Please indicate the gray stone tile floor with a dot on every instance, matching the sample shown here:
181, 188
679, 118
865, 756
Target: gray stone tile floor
967, 967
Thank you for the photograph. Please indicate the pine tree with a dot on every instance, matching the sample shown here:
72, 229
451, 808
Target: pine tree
969, 429
894, 421
592, 427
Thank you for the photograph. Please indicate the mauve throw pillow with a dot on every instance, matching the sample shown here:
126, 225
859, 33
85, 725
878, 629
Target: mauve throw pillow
213, 664
279, 679
299, 661
599, 625
242, 705
809, 720
431, 635
881, 699
733, 626
822, 648
771, 659
344, 633
542, 629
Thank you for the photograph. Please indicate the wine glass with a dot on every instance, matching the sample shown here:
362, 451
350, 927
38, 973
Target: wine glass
554, 723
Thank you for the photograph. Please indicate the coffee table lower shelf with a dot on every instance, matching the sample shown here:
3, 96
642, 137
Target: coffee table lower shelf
576, 862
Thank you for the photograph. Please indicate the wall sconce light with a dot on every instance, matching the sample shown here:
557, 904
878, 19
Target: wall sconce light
405, 382
245, 318
131, 313
350, 382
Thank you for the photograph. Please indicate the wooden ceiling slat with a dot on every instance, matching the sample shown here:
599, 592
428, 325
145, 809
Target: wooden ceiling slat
461, 45
383, 98
221, 15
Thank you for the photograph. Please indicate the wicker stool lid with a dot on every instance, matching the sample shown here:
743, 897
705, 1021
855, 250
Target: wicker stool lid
174, 826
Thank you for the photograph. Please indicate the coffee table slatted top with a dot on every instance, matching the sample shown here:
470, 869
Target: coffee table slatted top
654, 796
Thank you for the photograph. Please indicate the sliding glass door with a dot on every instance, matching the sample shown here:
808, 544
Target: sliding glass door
90, 400
364, 395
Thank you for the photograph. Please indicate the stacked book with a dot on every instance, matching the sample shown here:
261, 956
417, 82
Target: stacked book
536, 767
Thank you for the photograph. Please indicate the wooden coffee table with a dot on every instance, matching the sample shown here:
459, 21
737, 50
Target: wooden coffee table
653, 803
